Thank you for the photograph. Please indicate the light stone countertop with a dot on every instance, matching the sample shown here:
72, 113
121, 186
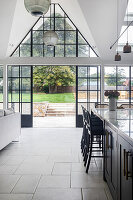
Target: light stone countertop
121, 119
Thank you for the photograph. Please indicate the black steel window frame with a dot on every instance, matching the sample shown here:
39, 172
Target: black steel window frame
88, 90
1, 90
20, 91
77, 44
130, 78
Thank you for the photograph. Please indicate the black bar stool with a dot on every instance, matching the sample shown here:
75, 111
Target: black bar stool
85, 135
96, 131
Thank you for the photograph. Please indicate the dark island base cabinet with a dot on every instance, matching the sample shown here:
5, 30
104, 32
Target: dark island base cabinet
118, 164
111, 159
125, 170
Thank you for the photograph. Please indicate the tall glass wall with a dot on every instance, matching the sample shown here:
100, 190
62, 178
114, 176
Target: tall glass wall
88, 87
19, 89
120, 79
1, 87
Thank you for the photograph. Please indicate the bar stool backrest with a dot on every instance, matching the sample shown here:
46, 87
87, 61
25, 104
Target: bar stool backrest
126, 105
96, 125
98, 105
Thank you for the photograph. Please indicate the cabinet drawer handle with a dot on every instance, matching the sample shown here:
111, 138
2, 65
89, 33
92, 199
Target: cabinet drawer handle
110, 140
124, 156
128, 174
107, 139
126, 165
108, 134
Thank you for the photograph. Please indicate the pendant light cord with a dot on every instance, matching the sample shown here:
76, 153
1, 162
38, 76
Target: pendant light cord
50, 16
117, 26
129, 24
127, 21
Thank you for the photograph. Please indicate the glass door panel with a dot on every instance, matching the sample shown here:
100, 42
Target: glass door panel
88, 89
20, 92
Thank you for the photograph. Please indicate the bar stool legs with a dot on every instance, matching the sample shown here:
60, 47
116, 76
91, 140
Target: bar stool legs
90, 154
88, 149
83, 139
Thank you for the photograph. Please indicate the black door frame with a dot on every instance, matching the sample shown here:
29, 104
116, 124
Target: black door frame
79, 117
26, 119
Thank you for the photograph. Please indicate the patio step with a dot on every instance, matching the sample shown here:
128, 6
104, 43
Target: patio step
59, 114
61, 106
60, 109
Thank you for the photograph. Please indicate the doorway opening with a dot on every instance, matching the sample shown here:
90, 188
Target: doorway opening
54, 96
51, 96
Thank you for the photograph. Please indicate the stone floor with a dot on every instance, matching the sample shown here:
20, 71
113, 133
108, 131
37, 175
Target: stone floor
50, 122
47, 165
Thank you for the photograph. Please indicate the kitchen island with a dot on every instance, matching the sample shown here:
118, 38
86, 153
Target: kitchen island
118, 151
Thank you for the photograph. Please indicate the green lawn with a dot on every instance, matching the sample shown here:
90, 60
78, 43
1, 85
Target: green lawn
41, 97
54, 98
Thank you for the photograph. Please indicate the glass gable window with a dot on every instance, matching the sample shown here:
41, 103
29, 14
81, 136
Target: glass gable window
120, 79
71, 43
1, 87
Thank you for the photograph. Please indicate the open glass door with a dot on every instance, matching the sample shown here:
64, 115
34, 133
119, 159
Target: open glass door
54, 96
20, 92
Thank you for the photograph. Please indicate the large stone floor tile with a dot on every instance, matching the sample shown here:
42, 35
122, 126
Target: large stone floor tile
54, 182
14, 160
26, 184
16, 197
62, 169
94, 194
8, 169
36, 168
83, 180
7, 183
57, 194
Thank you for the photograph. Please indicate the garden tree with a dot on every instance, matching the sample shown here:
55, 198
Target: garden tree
53, 76
110, 78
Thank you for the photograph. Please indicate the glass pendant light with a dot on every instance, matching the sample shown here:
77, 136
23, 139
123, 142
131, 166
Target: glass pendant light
37, 7
50, 37
127, 47
117, 56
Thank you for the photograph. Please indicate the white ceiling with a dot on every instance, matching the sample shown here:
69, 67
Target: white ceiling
22, 23
95, 19
6, 18
101, 17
